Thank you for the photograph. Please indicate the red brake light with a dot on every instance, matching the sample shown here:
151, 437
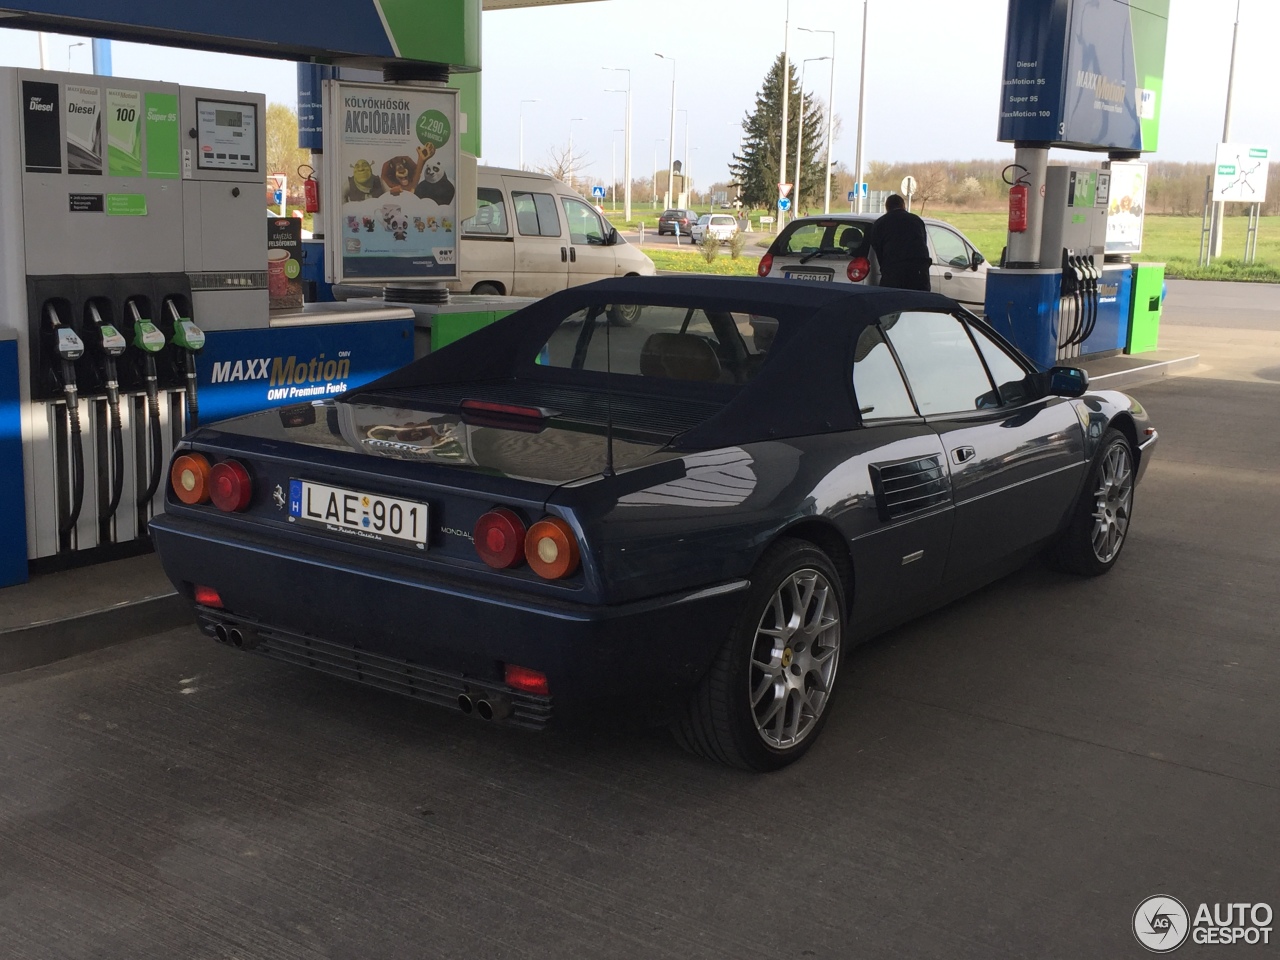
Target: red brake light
208, 597
530, 681
499, 539
859, 267
766, 264
551, 549
229, 486
189, 477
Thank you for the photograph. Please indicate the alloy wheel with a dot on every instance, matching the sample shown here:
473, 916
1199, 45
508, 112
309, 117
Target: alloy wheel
1113, 502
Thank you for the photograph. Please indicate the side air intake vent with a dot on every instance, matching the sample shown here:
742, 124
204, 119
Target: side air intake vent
910, 486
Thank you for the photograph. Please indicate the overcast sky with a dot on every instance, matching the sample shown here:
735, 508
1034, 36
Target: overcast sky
933, 75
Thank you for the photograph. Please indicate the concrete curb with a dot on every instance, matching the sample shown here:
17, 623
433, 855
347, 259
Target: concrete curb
1147, 373
22, 648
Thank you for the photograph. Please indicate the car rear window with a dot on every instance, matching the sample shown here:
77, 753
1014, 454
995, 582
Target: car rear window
803, 238
668, 343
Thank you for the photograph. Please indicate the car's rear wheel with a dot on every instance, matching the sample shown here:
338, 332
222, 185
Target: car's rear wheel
1099, 527
487, 289
765, 699
624, 314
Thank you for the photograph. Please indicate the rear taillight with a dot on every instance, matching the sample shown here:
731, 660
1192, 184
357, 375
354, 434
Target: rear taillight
859, 267
208, 597
526, 680
230, 486
499, 539
551, 549
766, 264
189, 477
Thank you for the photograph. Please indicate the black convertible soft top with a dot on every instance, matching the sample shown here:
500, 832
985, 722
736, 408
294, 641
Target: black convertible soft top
805, 387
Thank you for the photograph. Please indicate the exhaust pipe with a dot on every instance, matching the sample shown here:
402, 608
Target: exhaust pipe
220, 633
494, 708
236, 637
465, 703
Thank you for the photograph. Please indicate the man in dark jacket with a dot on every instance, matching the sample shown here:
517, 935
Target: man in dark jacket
901, 246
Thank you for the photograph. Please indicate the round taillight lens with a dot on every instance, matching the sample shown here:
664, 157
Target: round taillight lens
859, 267
189, 477
551, 548
230, 486
766, 264
499, 539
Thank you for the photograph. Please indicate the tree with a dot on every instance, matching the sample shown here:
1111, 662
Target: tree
283, 153
756, 167
931, 184
565, 165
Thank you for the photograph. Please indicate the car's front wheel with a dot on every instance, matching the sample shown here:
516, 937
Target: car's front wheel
765, 699
1099, 527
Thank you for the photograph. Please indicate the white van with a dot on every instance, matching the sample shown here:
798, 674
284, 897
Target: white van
532, 235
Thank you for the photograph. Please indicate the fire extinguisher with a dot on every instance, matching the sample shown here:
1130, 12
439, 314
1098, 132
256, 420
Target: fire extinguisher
310, 189
1019, 193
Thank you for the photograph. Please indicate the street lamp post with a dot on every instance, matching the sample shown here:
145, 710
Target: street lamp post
522, 103
685, 172
862, 99
671, 133
831, 112
795, 190
572, 121
613, 162
786, 96
655, 171
626, 146
70, 47
1219, 208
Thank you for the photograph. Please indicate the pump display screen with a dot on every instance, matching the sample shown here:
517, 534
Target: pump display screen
227, 136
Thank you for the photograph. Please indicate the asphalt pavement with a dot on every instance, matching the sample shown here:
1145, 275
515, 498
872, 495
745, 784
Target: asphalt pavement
1007, 777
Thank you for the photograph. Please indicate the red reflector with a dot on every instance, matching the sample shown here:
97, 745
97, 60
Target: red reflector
859, 267
766, 264
530, 681
229, 486
208, 597
509, 409
499, 539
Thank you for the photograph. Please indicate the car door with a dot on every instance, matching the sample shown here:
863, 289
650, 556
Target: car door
901, 558
1016, 460
488, 245
541, 248
590, 255
952, 272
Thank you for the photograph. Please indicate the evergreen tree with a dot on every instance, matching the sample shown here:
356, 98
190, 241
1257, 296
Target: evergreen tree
756, 167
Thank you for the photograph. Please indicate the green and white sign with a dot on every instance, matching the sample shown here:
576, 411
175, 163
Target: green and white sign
124, 133
162, 136
126, 204
1240, 173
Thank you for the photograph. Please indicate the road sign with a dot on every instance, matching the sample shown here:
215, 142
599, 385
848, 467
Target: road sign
784, 189
908, 185
598, 192
1241, 173
784, 204
279, 196
859, 190
853, 195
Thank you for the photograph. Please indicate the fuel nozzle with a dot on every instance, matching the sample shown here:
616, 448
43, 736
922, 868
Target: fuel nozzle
66, 343
146, 335
108, 342
189, 339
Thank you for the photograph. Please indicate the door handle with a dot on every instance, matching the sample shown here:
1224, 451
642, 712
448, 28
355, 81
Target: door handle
564, 255
962, 454
946, 274
573, 254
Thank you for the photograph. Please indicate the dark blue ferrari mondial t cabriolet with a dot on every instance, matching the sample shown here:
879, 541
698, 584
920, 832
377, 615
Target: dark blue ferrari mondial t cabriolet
675, 499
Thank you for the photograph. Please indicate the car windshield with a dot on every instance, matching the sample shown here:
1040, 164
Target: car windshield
664, 342
809, 237
704, 219
671, 213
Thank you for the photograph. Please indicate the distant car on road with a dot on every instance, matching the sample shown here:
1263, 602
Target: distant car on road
676, 217
828, 248
719, 225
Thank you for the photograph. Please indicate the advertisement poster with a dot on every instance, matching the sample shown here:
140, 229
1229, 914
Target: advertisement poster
124, 133
1128, 203
84, 129
162, 136
393, 170
284, 263
241, 371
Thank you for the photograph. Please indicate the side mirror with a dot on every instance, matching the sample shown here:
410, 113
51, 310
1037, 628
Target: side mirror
977, 261
612, 238
1067, 382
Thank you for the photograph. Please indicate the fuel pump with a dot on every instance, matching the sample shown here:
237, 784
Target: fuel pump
149, 342
63, 343
188, 340
108, 345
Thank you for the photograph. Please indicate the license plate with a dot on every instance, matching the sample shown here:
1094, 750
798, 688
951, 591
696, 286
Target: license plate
364, 516
792, 275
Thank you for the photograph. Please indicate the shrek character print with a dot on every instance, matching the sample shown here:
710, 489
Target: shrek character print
362, 184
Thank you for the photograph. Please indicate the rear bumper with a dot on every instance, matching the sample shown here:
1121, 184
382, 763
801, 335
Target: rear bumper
637, 660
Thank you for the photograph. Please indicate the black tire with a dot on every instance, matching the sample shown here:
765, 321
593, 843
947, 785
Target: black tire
1099, 526
487, 289
722, 722
624, 314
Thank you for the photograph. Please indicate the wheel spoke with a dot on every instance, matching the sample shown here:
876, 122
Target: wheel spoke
765, 685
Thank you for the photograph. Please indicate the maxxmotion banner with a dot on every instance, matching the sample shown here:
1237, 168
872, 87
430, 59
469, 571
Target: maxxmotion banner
1084, 73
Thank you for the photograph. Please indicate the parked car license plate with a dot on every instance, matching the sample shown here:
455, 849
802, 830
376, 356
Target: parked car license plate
365, 516
800, 275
